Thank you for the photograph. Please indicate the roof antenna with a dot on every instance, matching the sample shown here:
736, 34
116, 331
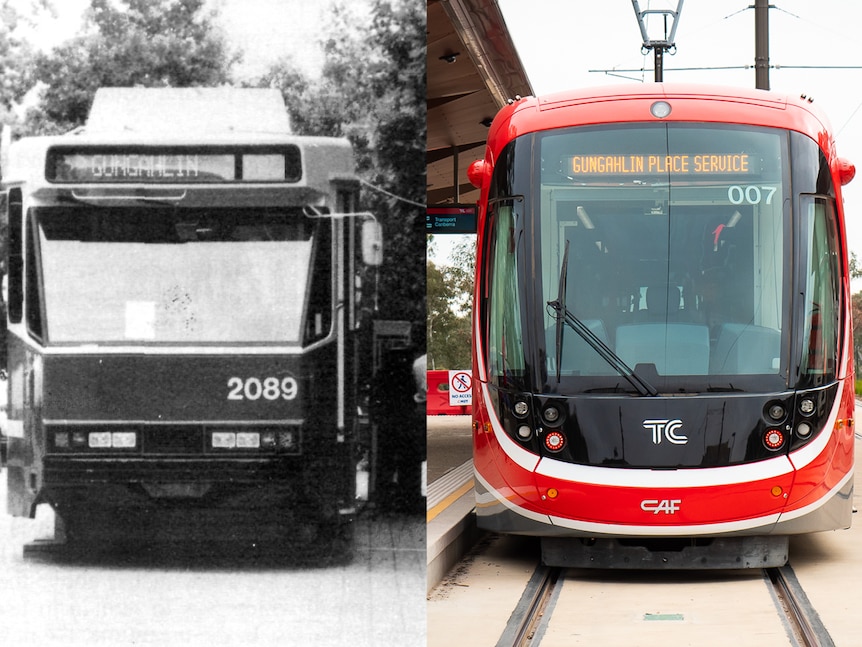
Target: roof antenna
659, 47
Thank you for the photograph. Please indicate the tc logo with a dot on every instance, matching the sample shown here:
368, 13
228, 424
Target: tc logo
666, 428
668, 506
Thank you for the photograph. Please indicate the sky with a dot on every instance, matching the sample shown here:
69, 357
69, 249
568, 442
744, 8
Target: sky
560, 41
264, 29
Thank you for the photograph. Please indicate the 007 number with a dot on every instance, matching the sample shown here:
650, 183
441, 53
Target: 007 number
268, 388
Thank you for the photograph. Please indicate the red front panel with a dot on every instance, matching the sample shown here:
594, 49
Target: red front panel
594, 500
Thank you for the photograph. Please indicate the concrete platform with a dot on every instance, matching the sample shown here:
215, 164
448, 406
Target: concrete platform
451, 525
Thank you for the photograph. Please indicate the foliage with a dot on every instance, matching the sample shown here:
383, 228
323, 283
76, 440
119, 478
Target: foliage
450, 299
149, 43
16, 60
372, 91
856, 314
448, 326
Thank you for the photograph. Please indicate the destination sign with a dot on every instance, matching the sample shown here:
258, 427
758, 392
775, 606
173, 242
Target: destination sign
172, 166
701, 164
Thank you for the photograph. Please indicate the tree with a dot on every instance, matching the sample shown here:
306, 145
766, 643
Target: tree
16, 61
448, 325
450, 308
856, 314
855, 270
150, 43
372, 91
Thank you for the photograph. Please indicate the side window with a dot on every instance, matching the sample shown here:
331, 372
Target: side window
318, 316
33, 294
505, 348
823, 294
16, 258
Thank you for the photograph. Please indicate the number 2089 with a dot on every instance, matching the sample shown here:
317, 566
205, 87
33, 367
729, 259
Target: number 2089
268, 388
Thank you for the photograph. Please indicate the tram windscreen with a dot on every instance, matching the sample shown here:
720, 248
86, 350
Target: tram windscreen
167, 275
678, 249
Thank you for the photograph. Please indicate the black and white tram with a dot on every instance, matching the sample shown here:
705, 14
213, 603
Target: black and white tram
185, 315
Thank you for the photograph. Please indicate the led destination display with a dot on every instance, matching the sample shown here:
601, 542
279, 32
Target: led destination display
173, 165
702, 164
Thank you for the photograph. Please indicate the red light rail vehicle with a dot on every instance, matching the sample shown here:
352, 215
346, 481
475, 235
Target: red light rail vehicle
663, 367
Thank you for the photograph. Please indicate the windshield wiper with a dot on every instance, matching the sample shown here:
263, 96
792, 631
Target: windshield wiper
564, 315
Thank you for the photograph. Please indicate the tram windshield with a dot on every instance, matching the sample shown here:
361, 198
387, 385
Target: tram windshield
162, 275
679, 246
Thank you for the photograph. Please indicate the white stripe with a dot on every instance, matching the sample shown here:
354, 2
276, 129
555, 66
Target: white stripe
651, 478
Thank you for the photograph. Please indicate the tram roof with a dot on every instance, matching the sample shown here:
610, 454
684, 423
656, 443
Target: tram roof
689, 102
188, 111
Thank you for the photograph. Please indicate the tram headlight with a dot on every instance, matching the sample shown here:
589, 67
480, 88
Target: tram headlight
551, 415
776, 412
112, 440
807, 406
247, 440
804, 429
236, 440
521, 408
524, 432
101, 440
265, 439
124, 439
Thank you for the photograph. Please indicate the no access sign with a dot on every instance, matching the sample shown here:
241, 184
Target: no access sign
460, 388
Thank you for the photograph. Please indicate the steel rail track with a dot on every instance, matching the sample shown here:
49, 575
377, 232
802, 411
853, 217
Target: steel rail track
530, 608
803, 621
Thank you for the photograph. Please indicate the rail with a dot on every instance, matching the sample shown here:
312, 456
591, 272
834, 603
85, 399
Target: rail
531, 607
803, 621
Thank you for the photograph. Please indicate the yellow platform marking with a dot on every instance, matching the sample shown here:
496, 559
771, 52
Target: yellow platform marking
449, 500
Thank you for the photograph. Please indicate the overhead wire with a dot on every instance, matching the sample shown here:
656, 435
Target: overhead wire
392, 195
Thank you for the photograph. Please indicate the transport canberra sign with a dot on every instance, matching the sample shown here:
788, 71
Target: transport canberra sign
450, 219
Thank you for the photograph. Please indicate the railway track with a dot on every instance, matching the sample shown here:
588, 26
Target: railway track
536, 606
803, 622
525, 619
